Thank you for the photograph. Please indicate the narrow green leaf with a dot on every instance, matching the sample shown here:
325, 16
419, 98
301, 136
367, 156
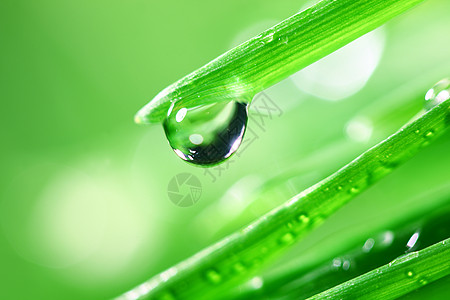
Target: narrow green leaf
242, 254
276, 53
399, 277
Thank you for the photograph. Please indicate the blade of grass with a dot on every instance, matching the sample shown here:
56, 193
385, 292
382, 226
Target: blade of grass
240, 255
401, 276
303, 280
276, 53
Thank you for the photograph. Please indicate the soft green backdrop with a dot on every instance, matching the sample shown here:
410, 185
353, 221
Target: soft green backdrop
84, 212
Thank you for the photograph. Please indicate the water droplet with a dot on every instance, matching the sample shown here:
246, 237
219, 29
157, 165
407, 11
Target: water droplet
423, 281
337, 262
238, 267
354, 190
213, 276
412, 241
287, 238
206, 134
283, 39
346, 265
303, 218
410, 273
339, 188
429, 133
368, 245
267, 36
437, 94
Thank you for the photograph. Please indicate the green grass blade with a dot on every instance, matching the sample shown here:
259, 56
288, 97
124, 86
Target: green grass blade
240, 255
399, 277
276, 53
300, 280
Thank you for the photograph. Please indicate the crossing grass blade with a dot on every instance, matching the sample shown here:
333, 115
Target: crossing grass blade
401, 276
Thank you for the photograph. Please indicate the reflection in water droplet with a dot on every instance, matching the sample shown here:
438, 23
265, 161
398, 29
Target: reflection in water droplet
437, 94
410, 274
206, 134
213, 276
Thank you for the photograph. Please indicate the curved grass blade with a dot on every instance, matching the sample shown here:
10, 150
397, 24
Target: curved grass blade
276, 53
401, 276
240, 255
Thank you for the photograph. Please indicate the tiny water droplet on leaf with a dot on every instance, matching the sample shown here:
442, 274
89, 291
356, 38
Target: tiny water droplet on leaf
437, 94
206, 134
213, 276
283, 39
303, 218
239, 267
429, 134
354, 190
287, 238
267, 37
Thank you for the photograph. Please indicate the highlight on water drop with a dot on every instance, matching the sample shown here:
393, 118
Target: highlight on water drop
437, 94
206, 134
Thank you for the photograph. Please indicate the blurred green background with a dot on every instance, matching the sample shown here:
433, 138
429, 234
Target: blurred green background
84, 211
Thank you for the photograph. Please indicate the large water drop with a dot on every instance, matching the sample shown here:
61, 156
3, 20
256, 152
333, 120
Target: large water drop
206, 134
437, 94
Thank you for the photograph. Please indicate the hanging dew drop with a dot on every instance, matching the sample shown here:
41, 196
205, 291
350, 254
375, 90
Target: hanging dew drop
437, 94
206, 134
